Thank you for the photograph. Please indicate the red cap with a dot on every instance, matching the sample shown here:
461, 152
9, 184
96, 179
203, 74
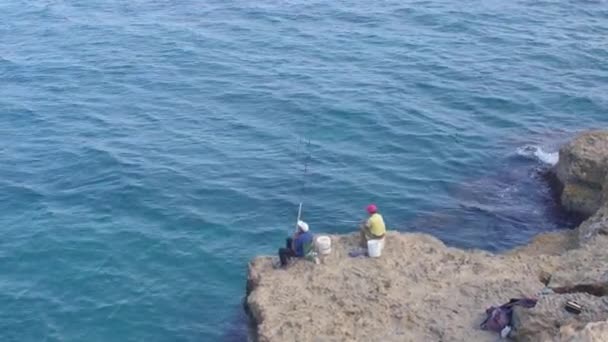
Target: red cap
372, 209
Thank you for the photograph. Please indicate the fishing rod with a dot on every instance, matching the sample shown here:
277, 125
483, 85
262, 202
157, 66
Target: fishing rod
348, 221
304, 174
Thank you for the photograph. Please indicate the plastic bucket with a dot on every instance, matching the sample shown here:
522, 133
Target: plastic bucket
374, 248
323, 244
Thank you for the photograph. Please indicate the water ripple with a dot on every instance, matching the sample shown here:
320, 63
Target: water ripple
149, 149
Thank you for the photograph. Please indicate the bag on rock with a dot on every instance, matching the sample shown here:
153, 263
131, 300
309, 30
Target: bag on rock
499, 318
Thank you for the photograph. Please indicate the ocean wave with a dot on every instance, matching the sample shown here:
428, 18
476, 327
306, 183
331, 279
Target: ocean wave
536, 152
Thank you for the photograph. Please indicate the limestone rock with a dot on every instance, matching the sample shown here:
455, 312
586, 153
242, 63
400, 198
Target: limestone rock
595, 225
592, 332
419, 290
549, 321
587, 264
582, 169
581, 198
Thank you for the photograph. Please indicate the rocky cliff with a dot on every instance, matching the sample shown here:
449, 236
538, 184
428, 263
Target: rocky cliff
421, 290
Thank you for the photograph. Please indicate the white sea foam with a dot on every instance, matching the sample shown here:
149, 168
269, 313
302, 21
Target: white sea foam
536, 152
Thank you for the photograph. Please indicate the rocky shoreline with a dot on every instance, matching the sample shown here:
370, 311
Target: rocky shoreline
422, 290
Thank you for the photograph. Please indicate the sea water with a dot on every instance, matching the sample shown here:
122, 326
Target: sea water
149, 149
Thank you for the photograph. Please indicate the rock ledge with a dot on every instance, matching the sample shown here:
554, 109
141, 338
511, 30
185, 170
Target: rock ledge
421, 290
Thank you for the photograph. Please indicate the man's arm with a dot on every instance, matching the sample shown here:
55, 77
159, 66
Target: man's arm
294, 240
365, 224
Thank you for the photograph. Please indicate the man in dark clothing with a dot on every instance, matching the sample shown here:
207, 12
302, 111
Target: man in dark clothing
298, 246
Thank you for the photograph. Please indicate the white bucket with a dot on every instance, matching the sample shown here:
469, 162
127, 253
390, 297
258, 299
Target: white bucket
323, 244
374, 248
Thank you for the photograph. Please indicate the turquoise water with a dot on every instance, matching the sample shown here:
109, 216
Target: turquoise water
149, 149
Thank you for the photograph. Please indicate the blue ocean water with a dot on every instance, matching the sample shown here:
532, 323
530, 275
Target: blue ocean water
149, 149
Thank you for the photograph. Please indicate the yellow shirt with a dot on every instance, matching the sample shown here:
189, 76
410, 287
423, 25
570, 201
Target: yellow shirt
375, 223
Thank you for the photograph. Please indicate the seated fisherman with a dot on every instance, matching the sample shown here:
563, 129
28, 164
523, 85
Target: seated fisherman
298, 246
373, 228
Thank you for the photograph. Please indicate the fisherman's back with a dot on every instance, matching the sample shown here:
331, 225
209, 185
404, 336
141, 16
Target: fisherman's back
302, 243
376, 226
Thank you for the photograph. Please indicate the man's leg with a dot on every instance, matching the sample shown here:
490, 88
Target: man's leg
363, 233
288, 243
285, 254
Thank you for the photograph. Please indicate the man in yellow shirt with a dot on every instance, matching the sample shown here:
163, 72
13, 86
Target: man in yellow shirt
373, 228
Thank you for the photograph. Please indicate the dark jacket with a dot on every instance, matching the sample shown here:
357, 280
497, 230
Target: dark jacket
303, 244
